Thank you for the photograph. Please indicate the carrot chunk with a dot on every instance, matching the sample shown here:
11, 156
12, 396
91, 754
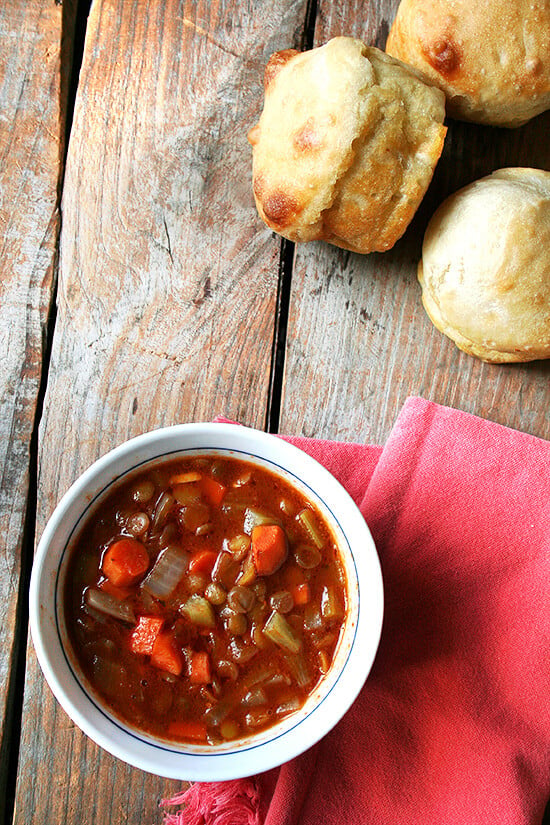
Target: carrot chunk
187, 730
200, 672
144, 634
118, 593
203, 562
301, 593
269, 548
212, 490
125, 562
293, 576
165, 654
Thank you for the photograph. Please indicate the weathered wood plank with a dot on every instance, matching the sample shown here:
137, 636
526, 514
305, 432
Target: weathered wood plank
32, 65
167, 296
359, 342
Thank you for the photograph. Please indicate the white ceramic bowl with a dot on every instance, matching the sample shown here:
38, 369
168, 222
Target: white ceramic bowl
334, 694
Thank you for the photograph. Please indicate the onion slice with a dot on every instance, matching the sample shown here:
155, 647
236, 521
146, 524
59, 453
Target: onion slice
254, 517
290, 706
167, 572
104, 603
217, 713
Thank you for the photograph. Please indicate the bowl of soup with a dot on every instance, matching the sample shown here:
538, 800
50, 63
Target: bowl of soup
206, 601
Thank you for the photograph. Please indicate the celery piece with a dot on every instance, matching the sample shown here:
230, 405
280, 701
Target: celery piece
199, 611
330, 604
278, 630
307, 519
299, 670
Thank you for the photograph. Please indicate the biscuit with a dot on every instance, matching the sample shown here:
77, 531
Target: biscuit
485, 268
346, 145
491, 59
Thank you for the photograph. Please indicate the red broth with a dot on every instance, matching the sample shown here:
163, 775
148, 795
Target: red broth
204, 599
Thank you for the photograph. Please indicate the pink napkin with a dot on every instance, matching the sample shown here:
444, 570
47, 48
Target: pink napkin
453, 723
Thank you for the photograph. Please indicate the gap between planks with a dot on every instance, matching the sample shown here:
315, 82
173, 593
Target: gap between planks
286, 263
73, 32
73, 38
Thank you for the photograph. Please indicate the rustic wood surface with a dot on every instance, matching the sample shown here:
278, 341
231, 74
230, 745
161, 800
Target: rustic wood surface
167, 298
175, 303
32, 103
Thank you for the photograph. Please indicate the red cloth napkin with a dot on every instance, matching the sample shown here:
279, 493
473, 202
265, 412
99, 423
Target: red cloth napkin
453, 723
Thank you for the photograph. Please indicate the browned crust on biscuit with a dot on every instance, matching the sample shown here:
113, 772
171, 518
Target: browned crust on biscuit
278, 207
308, 138
348, 157
254, 135
491, 59
276, 63
443, 54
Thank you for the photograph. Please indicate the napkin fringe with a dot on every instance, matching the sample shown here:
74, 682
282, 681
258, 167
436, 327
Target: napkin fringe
236, 802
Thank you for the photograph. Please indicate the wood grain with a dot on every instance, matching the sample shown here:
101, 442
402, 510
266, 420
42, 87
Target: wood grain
358, 339
167, 299
167, 294
31, 145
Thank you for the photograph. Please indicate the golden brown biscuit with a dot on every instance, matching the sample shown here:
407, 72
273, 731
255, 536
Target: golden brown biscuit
492, 59
346, 145
485, 269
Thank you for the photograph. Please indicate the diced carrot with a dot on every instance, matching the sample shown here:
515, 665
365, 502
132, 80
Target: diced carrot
269, 548
203, 561
166, 655
187, 730
118, 593
200, 672
301, 593
144, 634
185, 478
212, 490
125, 562
293, 576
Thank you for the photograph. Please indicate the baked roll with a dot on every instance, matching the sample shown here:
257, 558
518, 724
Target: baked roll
485, 268
346, 145
492, 58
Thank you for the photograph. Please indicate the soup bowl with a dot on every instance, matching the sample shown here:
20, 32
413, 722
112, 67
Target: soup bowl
330, 697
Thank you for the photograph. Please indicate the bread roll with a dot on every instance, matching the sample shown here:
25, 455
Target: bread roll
485, 268
346, 145
492, 59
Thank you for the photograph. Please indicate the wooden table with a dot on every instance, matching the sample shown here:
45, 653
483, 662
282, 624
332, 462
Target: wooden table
139, 288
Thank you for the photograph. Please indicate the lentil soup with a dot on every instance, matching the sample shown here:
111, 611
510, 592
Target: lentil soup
204, 599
